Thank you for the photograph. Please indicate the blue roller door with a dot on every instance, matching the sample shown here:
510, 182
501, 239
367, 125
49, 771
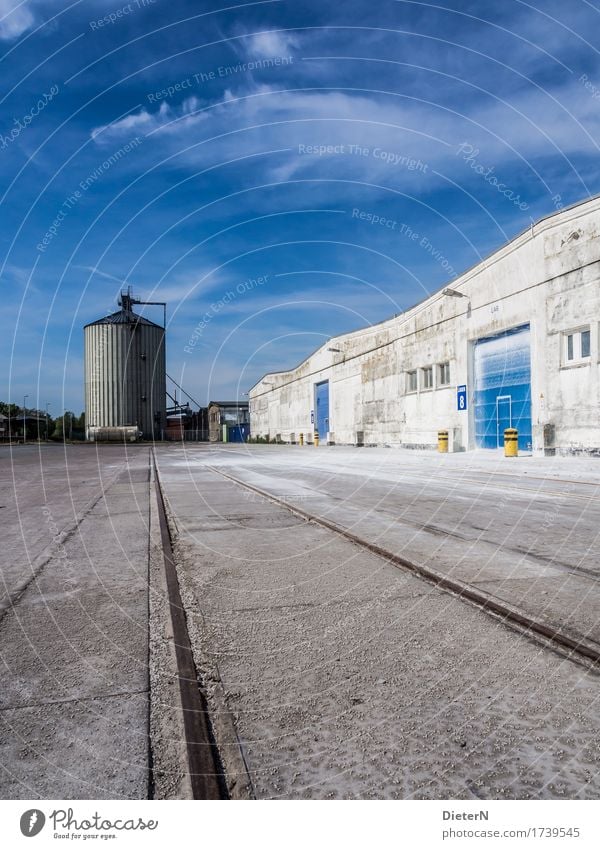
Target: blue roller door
503, 388
322, 408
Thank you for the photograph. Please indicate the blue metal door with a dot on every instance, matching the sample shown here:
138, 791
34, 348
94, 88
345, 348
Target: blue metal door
239, 433
503, 388
322, 408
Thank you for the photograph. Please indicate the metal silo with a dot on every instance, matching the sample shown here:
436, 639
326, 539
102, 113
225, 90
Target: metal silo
125, 372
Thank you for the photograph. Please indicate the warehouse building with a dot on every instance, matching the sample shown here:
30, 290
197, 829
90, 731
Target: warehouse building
512, 342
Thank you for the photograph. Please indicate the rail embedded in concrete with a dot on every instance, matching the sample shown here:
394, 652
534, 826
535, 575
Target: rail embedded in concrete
577, 645
205, 772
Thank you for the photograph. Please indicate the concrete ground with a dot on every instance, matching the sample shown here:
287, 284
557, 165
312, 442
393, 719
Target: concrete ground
338, 674
74, 622
350, 678
525, 530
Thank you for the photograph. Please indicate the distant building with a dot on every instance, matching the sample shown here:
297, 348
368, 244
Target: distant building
228, 421
514, 342
125, 373
36, 427
186, 425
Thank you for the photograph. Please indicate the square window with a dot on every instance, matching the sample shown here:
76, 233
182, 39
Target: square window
443, 374
577, 345
427, 374
411, 381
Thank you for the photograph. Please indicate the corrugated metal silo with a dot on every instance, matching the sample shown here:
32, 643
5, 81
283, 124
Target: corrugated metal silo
125, 372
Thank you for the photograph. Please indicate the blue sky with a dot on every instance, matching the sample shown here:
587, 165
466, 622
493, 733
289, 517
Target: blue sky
264, 168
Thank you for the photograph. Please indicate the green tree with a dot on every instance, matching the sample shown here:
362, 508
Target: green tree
10, 409
64, 425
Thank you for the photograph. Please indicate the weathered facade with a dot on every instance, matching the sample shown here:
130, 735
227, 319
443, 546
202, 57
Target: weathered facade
513, 342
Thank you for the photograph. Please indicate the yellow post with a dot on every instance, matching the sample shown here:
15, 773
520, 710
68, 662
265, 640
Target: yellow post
316, 437
443, 441
511, 442
301, 439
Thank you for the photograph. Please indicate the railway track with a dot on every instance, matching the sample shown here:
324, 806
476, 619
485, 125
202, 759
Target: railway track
567, 641
205, 770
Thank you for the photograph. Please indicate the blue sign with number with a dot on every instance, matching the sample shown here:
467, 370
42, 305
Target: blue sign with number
461, 397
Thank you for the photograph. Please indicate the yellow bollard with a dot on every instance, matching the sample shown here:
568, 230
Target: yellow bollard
316, 437
443, 441
301, 439
511, 442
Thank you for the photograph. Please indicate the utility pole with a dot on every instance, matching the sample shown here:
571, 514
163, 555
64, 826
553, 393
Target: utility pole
25, 397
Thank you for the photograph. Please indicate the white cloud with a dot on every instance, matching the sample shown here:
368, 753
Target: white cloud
15, 18
254, 119
271, 44
142, 121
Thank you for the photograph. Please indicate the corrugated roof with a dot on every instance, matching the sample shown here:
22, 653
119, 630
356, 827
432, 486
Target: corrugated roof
124, 317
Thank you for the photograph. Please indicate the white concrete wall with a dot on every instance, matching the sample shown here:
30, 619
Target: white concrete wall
548, 277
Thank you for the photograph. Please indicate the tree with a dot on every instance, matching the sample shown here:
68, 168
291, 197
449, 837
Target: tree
58, 432
10, 409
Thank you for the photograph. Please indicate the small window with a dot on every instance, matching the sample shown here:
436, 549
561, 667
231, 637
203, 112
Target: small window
411, 381
577, 345
443, 374
427, 375
585, 343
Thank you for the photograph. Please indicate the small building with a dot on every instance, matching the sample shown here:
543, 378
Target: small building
3, 426
514, 342
36, 427
228, 421
187, 425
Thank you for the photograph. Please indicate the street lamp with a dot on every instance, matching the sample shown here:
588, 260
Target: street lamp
453, 293
47, 405
25, 397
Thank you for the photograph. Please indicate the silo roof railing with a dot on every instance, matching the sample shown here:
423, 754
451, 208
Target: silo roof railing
124, 317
